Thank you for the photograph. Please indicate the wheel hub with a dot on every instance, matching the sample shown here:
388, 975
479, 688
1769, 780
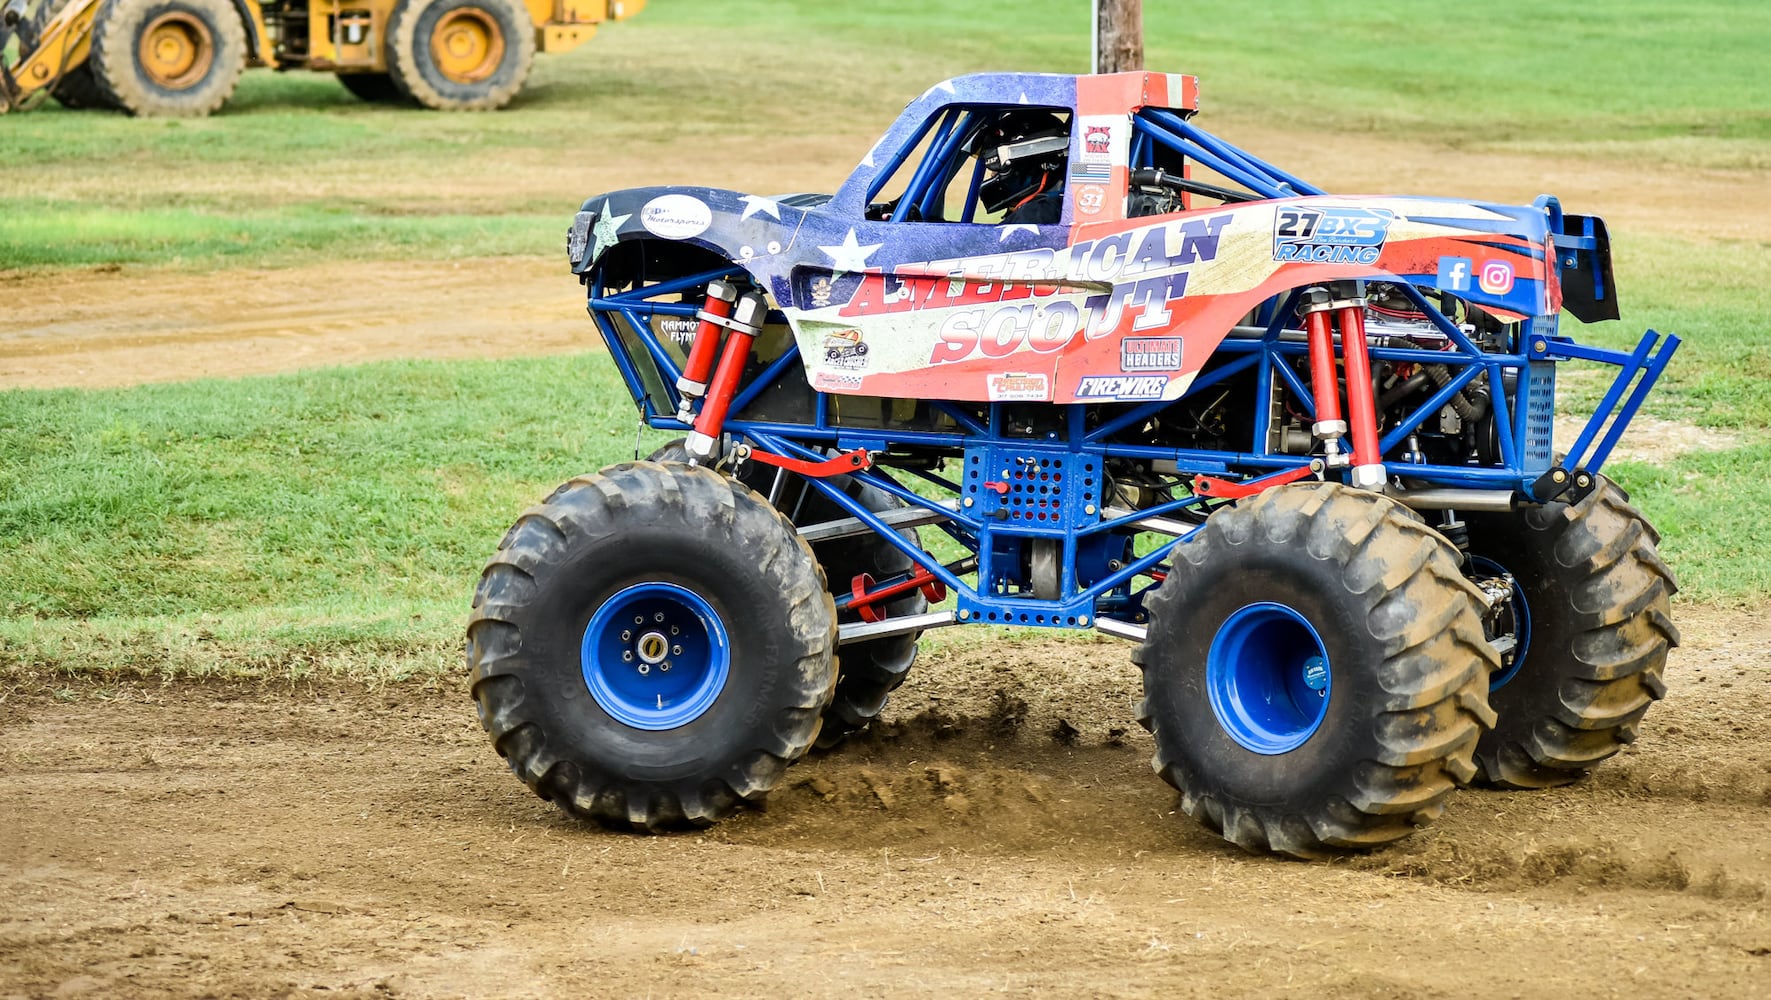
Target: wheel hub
1508, 618
1268, 676
633, 642
467, 45
176, 50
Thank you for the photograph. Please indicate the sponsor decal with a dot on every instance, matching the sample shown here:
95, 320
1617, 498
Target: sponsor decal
1150, 354
676, 216
1330, 235
1097, 138
829, 380
1496, 277
845, 349
820, 293
1019, 387
680, 329
1121, 386
1455, 273
1090, 198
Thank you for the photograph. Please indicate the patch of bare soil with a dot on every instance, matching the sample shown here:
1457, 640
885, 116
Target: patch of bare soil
1002, 833
90, 329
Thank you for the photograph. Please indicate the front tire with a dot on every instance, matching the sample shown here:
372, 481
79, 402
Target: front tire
1315, 672
1596, 597
868, 671
652, 647
461, 55
168, 58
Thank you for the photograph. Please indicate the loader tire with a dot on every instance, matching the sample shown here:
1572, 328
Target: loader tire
77, 89
375, 88
1315, 672
867, 672
461, 55
651, 647
168, 58
1596, 627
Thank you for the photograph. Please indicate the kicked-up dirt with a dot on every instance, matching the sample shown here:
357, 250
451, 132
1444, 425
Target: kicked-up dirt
1002, 833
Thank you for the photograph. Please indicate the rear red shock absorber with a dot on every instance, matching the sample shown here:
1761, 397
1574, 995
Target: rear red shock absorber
713, 315
1368, 461
746, 323
1329, 427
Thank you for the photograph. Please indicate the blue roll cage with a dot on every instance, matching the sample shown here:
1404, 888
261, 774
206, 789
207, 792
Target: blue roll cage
1522, 416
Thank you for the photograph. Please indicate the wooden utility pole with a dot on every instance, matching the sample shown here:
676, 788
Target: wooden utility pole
1118, 35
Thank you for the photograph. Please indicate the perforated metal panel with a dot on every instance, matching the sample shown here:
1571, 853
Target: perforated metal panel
1030, 489
1540, 416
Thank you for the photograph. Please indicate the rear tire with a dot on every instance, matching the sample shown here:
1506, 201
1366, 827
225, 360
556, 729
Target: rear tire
582, 701
1597, 597
168, 58
461, 55
867, 672
375, 88
1315, 672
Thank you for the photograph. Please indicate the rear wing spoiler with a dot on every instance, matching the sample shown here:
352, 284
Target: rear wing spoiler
1583, 262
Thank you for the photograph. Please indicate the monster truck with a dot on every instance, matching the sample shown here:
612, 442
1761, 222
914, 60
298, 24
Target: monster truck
1296, 446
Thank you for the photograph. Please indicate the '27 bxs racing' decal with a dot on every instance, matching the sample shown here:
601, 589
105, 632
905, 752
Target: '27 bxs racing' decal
1330, 235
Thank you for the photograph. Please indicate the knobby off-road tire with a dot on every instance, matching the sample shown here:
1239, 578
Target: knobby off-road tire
724, 590
1597, 626
867, 672
375, 88
1315, 672
168, 58
77, 89
461, 55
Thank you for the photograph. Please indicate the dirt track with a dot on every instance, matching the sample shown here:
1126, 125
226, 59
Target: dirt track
192, 840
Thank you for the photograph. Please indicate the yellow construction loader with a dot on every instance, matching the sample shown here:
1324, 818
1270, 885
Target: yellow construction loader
183, 57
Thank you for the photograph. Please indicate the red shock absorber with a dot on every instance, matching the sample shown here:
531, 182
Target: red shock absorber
717, 309
1329, 427
746, 323
1368, 461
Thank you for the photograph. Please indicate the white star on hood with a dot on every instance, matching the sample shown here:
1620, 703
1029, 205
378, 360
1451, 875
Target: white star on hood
758, 205
604, 230
1004, 232
850, 254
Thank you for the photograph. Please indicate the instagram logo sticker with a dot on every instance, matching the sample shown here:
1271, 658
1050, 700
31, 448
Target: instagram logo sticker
1496, 277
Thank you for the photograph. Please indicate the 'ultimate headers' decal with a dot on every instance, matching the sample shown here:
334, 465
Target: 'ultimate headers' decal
1330, 235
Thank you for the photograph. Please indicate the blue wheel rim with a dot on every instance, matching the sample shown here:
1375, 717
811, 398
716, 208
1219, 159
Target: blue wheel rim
1521, 623
655, 656
1269, 679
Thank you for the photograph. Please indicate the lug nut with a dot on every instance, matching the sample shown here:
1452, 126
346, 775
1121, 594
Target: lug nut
645, 668
676, 651
658, 617
626, 635
639, 619
674, 630
627, 656
665, 665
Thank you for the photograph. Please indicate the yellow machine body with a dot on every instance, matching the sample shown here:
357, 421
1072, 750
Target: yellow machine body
336, 36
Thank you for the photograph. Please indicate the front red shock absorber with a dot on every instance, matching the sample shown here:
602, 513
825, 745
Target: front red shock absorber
1329, 427
1368, 461
746, 323
713, 315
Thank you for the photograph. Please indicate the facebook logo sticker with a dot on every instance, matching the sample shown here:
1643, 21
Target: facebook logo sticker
1454, 273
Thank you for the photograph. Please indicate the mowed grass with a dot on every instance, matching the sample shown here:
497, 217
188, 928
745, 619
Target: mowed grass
293, 521
296, 169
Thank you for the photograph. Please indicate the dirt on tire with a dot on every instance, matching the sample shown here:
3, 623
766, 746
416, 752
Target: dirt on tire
1001, 832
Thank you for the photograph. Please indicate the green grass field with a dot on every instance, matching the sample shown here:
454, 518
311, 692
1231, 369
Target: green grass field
334, 521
